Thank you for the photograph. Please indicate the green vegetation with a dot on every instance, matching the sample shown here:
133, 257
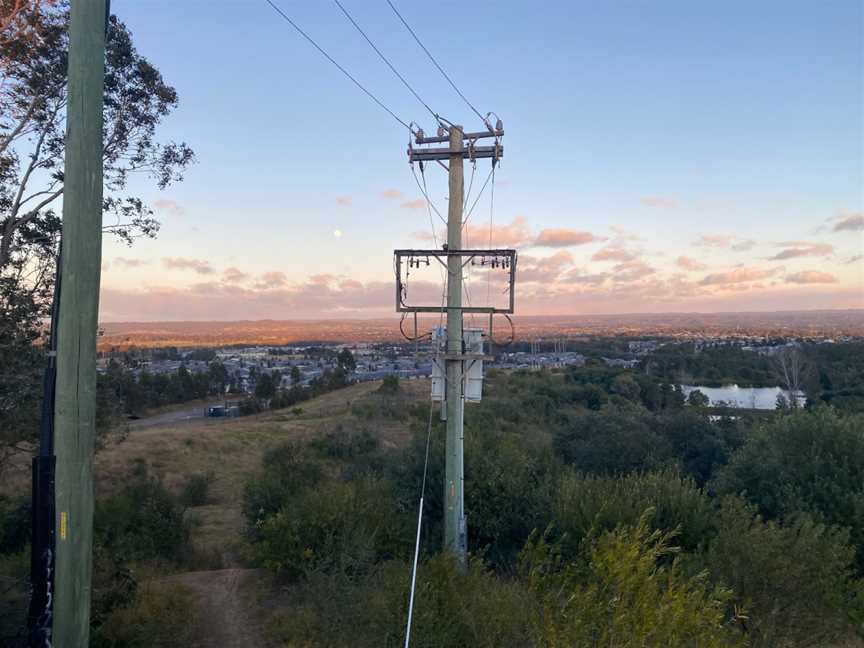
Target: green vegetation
584, 486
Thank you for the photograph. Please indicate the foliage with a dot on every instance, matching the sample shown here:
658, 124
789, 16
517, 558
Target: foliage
452, 608
793, 578
611, 441
345, 444
804, 462
627, 593
14, 524
143, 521
160, 614
195, 491
342, 527
390, 385
585, 506
286, 471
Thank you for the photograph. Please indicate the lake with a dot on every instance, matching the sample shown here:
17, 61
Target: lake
735, 396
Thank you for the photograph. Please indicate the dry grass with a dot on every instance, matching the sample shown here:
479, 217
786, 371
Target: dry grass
232, 449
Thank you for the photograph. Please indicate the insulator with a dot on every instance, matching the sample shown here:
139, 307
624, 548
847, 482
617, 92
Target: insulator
440, 131
499, 125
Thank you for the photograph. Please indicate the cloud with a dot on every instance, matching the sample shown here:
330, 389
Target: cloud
614, 253
564, 237
234, 275
734, 243
849, 222
345, 201
168, 206
391, 194
662, 202
631, 271
854, 259
419, 203
796, 249
738, 275
811, 277
270, 280
543, 269
579, 276
123, 262
179, 263
514, 234
691, 265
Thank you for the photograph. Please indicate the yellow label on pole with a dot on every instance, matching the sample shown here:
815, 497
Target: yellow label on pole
62, 525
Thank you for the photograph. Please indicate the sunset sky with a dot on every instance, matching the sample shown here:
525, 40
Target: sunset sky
659, 156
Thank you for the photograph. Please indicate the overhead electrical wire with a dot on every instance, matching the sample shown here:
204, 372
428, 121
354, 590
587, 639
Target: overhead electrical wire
341, 69
386, 60
432, 58
477, 199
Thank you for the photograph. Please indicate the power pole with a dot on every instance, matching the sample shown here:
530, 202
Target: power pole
457, 359
75, 414
455, 530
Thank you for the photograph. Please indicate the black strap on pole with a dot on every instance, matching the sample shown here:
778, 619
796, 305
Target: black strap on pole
40, 614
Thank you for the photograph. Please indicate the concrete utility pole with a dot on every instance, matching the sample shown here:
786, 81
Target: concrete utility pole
455, 530
75, 414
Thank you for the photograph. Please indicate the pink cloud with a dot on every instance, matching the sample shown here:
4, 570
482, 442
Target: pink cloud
614, 253
631, 271
234, 275
662, 202
734, 243
811, 277
272, 280
180, 263
691, 265
391, 193
850, 223
543, 269
738, 275
795, 249
564, 237
344, 201
420, 203
515, 234
130, 263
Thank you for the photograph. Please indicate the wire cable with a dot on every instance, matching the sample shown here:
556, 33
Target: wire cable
491, 219
477, 199
386, 60
425, 193
341, 69
432, 58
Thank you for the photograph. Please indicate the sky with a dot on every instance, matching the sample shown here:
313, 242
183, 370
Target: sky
659, 156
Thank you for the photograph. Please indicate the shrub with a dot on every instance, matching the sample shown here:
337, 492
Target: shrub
390, 385
286, 472
344, 444
626, 594
586, 505
794, 578
452, 608
195, 490
14, 524
143, 521
160, 614
612, 441
341, 527
811, 461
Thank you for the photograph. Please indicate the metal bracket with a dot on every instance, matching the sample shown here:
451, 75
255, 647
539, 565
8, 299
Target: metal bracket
497, 258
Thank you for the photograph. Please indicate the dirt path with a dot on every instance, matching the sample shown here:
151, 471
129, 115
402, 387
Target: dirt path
227, 604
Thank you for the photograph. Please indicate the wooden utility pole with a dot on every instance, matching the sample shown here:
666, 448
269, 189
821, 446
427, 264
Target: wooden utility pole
75, 414
455, 531
455, 356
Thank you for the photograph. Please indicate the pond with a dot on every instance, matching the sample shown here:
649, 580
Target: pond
735, 396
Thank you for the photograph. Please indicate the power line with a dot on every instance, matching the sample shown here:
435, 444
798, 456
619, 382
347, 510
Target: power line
432, 58
333, 61
479, 195
386, 60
